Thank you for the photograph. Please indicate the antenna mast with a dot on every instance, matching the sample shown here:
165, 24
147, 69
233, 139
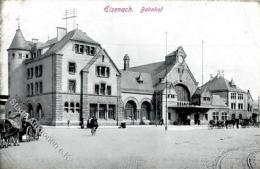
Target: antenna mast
70, 14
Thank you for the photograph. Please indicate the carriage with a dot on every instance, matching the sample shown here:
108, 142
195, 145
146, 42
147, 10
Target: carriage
217, 124
15, 126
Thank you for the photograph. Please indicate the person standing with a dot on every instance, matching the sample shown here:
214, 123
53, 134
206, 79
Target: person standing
93, 125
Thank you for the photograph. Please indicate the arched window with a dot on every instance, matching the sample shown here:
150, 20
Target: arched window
72, 107
39, 112
77, 107
66, 106
240, 116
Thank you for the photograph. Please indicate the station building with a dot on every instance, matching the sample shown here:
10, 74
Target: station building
72, 77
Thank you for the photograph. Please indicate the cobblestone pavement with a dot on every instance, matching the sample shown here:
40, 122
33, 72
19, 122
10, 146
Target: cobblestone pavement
138, 148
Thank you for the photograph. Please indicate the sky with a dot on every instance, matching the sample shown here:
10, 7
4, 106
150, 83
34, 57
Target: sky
229, 29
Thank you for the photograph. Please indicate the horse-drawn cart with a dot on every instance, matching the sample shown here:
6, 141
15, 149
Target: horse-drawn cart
15, 126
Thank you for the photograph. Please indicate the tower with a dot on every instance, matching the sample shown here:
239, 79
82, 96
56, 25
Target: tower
18, 51
126, 62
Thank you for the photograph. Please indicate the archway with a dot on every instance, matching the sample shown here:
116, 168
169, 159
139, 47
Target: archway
146, 110
130, 110
30, 110
183, 93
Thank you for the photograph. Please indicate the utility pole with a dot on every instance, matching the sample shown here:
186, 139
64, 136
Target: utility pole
258, 111
202, 43
166, 112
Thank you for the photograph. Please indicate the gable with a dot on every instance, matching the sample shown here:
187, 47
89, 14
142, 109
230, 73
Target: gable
100, 55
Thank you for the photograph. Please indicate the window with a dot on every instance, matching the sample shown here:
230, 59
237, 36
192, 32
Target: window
111, 111
40, 71
72, 67
240, 106
40, 87
31, 72
66, 107
233, 106
36, 88
169, 116
31, 89
172, 96
72, 107
108, 90
108, 72
81, 48
93, 110
27, 56
102, 111
224, 116
28, 73
36, 71
87, 50
102, 88
96, 89
77, 107
215, 116
240, 96
92, 51
20, 56
103, 71
13, 54
206, 99
103, 58
233, 95
28, 90
72, 86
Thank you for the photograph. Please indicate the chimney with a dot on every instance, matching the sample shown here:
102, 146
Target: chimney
211, 76
61, 32
222, 73
35, 40
126, 62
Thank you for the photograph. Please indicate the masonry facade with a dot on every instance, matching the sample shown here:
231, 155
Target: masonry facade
72, 77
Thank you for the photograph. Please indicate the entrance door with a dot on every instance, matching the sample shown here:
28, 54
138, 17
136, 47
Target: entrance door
183, 119
196, 118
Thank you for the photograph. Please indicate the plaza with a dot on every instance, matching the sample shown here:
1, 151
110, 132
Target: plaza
151, 147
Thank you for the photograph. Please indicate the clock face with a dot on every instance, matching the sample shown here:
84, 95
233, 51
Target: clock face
180, 59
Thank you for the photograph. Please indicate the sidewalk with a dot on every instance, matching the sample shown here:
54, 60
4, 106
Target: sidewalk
170, 127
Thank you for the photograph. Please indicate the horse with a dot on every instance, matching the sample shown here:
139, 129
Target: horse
230, 122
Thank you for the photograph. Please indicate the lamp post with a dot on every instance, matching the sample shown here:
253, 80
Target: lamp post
166, 112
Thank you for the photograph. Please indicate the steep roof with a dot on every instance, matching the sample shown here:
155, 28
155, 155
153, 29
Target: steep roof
19, 42
129, 82
148, 68
217, 101
219, 83
76, 35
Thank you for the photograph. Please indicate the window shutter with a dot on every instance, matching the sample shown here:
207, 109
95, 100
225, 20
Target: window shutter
73, 47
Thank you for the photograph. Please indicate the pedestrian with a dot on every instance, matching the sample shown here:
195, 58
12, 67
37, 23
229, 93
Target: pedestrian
68, 123
93, 125
237, 123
